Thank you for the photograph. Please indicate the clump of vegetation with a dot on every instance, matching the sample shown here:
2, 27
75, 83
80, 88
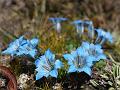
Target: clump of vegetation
61, 54
85, 52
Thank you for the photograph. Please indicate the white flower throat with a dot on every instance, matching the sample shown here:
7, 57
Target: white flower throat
58, 27
79, 61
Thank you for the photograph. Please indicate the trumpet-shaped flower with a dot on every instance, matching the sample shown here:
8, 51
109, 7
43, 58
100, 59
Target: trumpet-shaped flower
103, 36
22, 46
79, 26
95, 51
14, 46
47, 65
79, 61
28, 48
90, 27
57, 23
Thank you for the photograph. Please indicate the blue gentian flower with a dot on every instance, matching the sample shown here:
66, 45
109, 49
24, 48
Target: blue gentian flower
103, 36
29, 48
14, 46
22, 46
79, 26
57, 23
90, 27
79, 61
47, 65
94, 51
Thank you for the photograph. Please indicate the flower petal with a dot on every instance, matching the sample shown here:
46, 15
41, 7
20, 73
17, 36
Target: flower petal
54, 73
109, 37
87, 70
82, 52
34, 42
68, 57
43, 71
32, 53
37, 63
89, 60
49, 55
101, 56
39, 75
85, 45
72, 68
58, 64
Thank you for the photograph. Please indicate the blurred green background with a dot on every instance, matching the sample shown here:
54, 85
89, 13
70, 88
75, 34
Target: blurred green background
28, 17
